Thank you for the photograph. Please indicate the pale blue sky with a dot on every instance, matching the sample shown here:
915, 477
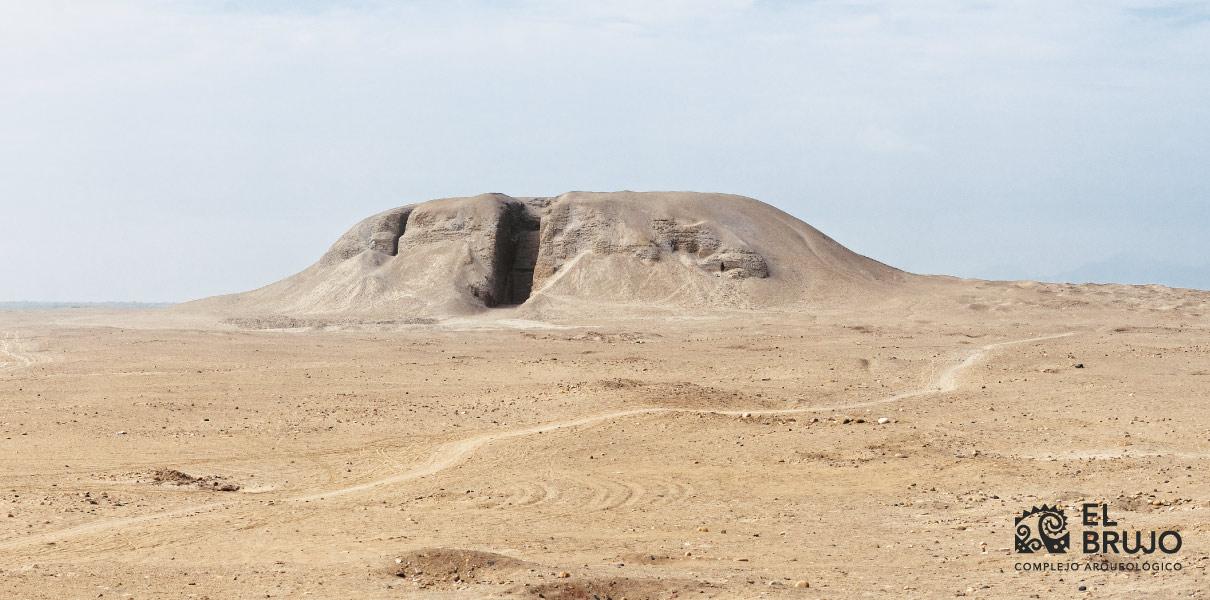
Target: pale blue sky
161, 151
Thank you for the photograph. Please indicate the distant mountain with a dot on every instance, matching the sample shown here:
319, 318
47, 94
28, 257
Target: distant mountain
35, 305
1126, 268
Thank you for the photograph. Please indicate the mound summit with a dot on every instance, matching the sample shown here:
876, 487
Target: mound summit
580, 251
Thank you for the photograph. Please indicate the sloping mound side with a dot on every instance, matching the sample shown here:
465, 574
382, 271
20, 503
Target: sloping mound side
677, 250
691, 250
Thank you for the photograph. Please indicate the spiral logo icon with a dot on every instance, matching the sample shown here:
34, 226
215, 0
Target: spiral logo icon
1042, 528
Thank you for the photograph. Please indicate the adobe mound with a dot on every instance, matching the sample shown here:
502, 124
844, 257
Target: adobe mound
575, 252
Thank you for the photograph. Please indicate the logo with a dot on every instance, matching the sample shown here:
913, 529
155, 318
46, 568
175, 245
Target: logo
1042, 528
1100, 535
1106, 546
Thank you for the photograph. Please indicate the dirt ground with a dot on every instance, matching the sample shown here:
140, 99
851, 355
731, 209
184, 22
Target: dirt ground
747, 455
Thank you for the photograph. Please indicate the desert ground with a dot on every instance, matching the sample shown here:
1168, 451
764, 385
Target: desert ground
747, 454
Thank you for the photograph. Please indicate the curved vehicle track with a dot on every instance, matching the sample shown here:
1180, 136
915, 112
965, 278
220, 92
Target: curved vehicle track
450, 454
8, 348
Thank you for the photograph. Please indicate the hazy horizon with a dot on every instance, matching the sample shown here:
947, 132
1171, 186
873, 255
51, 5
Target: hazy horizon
160, 151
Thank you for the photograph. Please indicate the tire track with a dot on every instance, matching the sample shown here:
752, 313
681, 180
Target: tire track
452, 453
8, 347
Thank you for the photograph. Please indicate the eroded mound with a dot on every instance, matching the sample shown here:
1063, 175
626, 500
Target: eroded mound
182, 479
613, 588
458, 569
454, 567
578, 251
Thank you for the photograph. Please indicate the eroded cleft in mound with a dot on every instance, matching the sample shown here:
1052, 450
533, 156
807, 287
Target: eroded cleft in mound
578, 251
516, 252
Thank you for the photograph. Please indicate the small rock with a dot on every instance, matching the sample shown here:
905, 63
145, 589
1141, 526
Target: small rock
703, 529
802, 583
1083, 588
564, 574
900, 455
1078, 365
121, 433
883, 420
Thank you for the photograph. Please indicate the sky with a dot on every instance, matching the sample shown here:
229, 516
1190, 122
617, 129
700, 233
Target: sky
170, 150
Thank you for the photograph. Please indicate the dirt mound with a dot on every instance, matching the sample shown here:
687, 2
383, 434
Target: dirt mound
180, 478
576, 252
452, 567
436, 569
613, 588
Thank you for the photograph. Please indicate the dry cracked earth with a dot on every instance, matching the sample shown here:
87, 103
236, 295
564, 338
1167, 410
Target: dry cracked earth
744, 456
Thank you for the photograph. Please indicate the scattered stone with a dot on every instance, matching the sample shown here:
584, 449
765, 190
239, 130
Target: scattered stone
883, 420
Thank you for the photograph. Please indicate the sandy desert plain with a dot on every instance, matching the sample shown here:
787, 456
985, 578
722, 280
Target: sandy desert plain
875, 439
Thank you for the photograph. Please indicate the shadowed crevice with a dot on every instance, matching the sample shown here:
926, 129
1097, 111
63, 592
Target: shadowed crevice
388, 230
517, 243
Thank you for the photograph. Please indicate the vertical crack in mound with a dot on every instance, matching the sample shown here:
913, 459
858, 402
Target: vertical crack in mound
520, 281
387, 231
379, 233
516, 253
